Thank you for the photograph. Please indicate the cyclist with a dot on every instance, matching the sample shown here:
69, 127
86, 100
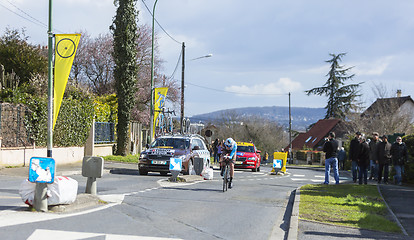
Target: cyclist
229, 152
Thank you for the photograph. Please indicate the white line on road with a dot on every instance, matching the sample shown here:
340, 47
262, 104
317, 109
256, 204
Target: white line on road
66, 235
298, 175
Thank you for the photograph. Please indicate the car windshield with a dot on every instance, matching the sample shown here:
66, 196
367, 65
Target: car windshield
245, 148
176, 143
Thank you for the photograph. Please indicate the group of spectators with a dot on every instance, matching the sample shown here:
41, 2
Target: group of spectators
377, 155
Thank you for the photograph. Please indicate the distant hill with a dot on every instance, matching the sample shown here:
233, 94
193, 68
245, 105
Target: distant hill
301, 117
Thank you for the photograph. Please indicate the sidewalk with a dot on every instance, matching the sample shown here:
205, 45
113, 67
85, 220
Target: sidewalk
400, 201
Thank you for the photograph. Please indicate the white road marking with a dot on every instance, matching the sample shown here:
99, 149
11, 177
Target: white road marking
300, 179
66, 235
298, 175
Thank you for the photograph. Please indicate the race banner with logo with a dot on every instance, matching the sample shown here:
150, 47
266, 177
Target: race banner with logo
65, 50
160, 97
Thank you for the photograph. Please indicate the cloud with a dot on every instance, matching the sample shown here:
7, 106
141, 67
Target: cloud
376, 68
281, 87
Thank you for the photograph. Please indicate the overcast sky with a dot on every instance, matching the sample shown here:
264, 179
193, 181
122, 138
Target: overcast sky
262, 50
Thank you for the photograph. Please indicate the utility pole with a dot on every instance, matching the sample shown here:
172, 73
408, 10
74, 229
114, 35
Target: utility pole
182, 87
40, 198
290, 132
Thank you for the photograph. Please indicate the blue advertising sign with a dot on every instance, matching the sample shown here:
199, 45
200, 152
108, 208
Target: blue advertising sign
41, 170
176, 164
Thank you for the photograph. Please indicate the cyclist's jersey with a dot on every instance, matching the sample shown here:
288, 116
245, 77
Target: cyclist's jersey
231, 152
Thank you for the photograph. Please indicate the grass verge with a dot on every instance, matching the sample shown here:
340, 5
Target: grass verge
358, 206
124, 159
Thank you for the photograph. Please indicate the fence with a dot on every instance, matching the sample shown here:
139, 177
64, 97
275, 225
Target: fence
104, 132
12, 125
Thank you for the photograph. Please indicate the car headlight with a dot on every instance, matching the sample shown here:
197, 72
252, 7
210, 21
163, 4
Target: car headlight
143, 155
251, 158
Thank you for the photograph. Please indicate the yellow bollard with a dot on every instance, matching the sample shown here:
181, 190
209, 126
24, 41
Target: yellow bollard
280, 156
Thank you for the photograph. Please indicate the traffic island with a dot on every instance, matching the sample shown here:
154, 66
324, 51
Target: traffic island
82, 202
186, 178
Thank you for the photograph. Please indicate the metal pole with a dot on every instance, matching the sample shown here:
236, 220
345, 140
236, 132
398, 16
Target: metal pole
290, 132
182, 87
40, 198
152, 77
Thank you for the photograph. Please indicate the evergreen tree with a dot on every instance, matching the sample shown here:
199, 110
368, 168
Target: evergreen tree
124, 28
341, 97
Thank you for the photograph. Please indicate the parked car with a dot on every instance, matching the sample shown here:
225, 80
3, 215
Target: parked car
190, 148
248, 157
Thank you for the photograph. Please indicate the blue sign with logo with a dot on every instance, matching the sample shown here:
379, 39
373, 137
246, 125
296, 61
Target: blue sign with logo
42, 170
277, 163
176, 164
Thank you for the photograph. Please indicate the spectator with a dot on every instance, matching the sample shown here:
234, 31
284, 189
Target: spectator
399, 157
331, 148
363, 160
354, 154
219, 149
341, 158
215, 153
266, 157
373, 156
384, 158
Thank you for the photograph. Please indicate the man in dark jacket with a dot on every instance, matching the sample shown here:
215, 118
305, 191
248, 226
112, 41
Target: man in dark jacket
363, 160
399, 157
373, 156
331, 149
384, 158
354, 154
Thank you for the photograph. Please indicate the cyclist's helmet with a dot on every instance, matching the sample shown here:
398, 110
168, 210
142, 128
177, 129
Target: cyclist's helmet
229, 142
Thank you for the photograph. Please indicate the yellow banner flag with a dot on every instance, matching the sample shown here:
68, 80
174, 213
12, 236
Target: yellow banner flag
159, 103
65, 50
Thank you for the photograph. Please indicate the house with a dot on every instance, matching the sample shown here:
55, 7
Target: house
400, 105
314, 138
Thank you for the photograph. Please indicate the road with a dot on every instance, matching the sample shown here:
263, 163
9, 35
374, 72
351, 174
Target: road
149, 206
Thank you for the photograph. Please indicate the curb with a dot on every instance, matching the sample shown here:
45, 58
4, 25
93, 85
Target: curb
294, 218
392, 213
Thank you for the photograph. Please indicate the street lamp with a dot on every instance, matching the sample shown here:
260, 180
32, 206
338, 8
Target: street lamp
182, 82
152, 76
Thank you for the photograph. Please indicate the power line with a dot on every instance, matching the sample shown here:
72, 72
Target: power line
159, 23
32, 20
176, 66
27, 14
39, 24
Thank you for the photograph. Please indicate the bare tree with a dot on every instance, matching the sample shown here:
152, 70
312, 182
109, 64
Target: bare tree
385, 115
266, 135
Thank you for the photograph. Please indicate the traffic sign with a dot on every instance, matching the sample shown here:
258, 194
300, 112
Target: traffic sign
42, 170
176, 164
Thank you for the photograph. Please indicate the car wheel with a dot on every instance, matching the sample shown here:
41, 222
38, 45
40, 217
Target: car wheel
142, 172
164, 173
258, 169
254, 170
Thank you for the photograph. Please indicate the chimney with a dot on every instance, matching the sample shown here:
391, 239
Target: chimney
399, 93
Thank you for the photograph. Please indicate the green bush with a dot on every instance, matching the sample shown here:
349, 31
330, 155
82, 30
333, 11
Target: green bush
73, 123
106, 108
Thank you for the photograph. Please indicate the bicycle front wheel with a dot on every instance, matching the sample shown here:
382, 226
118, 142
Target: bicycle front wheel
225, 178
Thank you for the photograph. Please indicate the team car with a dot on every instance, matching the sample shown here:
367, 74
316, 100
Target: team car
247, 156
156, 158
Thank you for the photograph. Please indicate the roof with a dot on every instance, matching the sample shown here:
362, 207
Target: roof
386, 105
317, 133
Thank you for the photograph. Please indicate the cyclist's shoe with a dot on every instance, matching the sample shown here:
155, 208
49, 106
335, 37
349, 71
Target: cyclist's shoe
230, 185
